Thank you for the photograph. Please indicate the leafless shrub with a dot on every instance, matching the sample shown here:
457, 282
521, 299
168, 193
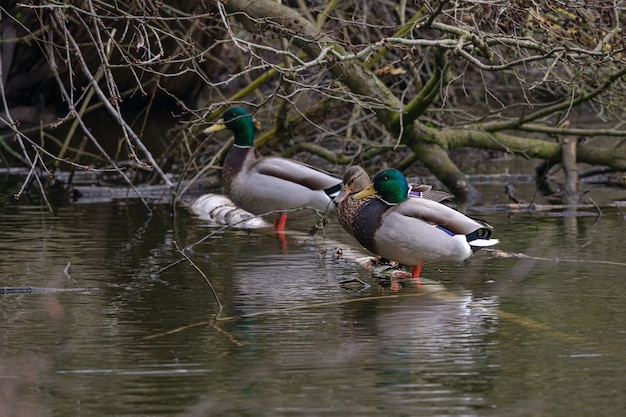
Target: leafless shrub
374, 82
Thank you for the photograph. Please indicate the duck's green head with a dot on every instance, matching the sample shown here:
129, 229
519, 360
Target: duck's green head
240, 122
389, 184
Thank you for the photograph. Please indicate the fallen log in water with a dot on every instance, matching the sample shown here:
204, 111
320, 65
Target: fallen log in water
38, 290
220, 210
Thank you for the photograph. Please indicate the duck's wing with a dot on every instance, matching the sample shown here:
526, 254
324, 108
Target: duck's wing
297, 172
437, 196
426, 191
419, 188
432, 212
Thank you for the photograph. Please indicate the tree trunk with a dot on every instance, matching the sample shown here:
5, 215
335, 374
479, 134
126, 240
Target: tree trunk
570, 188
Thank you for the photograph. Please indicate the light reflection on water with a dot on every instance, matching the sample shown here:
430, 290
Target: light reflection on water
542, 335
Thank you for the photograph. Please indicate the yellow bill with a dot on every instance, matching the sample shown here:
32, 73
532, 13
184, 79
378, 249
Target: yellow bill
368, 191
216, 127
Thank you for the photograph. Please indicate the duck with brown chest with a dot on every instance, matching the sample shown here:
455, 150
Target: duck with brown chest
414, 231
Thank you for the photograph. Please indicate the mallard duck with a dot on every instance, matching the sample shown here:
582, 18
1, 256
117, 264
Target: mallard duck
356, 179
414, 231
272, 184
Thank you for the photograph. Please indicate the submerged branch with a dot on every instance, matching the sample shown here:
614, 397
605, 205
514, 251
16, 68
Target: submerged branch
206, 279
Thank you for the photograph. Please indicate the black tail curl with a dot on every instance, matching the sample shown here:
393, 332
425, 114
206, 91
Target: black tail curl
479, 234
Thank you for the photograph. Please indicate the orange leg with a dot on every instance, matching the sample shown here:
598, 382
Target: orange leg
279, 223
416, 270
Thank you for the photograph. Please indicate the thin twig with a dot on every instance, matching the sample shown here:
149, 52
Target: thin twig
598, 209
115, 112
217, 299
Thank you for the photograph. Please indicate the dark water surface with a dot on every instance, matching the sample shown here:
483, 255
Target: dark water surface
543, 335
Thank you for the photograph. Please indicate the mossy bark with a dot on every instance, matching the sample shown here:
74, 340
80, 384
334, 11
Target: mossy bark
527, 147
